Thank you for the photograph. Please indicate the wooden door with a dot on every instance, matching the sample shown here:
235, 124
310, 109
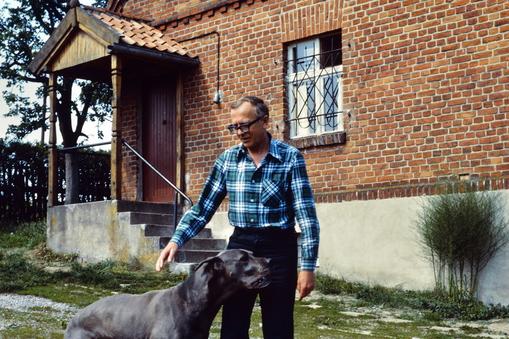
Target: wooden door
159, 139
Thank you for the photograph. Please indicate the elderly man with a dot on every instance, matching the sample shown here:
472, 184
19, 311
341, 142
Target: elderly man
268, 189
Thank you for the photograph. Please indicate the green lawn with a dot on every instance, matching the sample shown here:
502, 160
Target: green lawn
338, 309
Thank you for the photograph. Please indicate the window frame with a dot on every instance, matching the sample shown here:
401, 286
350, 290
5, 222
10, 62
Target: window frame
299, 78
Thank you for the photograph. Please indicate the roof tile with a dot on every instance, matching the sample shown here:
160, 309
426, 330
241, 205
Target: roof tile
140, 34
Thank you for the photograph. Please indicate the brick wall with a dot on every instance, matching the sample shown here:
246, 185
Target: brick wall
426, 87
129, 132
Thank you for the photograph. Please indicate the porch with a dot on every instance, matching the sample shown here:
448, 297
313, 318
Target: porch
144, 69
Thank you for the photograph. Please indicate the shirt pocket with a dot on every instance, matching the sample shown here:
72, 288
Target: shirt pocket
271, 195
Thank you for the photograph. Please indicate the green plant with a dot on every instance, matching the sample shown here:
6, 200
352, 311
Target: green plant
461, 232
17, 273
438, 306
26, 235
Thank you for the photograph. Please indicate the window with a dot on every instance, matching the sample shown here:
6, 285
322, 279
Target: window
313, 85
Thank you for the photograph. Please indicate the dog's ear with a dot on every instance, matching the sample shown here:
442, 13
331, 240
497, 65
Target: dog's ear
215, 261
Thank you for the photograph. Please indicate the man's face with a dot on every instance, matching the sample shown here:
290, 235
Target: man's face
256, 134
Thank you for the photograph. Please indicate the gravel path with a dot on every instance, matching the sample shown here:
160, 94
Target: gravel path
29, 303
25, 303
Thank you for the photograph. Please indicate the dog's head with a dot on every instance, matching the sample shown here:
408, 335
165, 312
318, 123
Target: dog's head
239, 266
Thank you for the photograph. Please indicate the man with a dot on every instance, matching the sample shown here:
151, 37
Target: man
268, 189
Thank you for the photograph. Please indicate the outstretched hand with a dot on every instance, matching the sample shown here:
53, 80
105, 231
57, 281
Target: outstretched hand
167, 255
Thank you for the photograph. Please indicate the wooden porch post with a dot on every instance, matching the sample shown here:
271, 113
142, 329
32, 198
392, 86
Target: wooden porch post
116, 144
52, 156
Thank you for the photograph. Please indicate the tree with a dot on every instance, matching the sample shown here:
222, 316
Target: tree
24, 27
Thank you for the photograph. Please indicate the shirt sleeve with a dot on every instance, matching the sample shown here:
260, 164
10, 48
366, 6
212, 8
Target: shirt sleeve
305, 212
195, 219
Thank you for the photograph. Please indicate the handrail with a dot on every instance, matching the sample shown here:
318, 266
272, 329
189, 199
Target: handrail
175, 188
83, 146
158, 173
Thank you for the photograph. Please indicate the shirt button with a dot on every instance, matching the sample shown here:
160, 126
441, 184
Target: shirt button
252, 200
253, 182
252, 220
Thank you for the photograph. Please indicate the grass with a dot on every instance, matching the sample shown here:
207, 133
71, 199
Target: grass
437, 305
343, 310
24, 235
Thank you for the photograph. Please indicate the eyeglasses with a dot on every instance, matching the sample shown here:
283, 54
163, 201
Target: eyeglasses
244, 127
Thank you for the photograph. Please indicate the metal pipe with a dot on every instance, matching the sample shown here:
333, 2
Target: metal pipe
83, 146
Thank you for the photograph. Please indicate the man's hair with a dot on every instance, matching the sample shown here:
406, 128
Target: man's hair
260, 106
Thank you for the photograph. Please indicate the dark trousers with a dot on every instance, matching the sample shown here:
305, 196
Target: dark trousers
278, 298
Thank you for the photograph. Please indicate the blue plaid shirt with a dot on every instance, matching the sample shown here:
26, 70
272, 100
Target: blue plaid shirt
274, 194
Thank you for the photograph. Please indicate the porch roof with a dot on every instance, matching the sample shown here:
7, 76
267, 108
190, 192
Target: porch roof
86, 36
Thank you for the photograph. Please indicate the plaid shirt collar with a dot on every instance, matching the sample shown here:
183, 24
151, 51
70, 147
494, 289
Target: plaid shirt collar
273, 150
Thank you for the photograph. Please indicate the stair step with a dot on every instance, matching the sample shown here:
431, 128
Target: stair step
143, 206
194, 256
150, 218
205, 233
153, 230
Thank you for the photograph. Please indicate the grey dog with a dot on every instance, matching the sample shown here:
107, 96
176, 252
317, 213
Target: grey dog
185, 311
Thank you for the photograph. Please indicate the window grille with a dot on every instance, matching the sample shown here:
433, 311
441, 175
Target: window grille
314, 88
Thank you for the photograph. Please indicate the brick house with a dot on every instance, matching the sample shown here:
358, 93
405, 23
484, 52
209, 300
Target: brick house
385, 99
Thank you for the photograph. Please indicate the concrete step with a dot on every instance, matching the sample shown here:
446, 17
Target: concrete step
149, 218
205, 233
194, 256
167, 231
143, 206
152, 230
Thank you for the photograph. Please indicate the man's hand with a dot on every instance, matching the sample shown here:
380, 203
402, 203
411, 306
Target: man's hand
167, 255
305, 283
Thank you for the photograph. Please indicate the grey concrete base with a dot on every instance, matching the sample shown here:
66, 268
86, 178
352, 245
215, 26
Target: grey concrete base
376, 242
95, 231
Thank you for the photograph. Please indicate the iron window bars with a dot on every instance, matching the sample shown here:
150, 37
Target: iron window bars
313, 84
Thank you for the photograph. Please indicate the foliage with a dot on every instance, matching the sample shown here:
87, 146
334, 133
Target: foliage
27, 235
17, 273
438, 304
23, 179
461, 233
24, 27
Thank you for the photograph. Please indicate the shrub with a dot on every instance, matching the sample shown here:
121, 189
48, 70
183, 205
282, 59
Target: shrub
461, 233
